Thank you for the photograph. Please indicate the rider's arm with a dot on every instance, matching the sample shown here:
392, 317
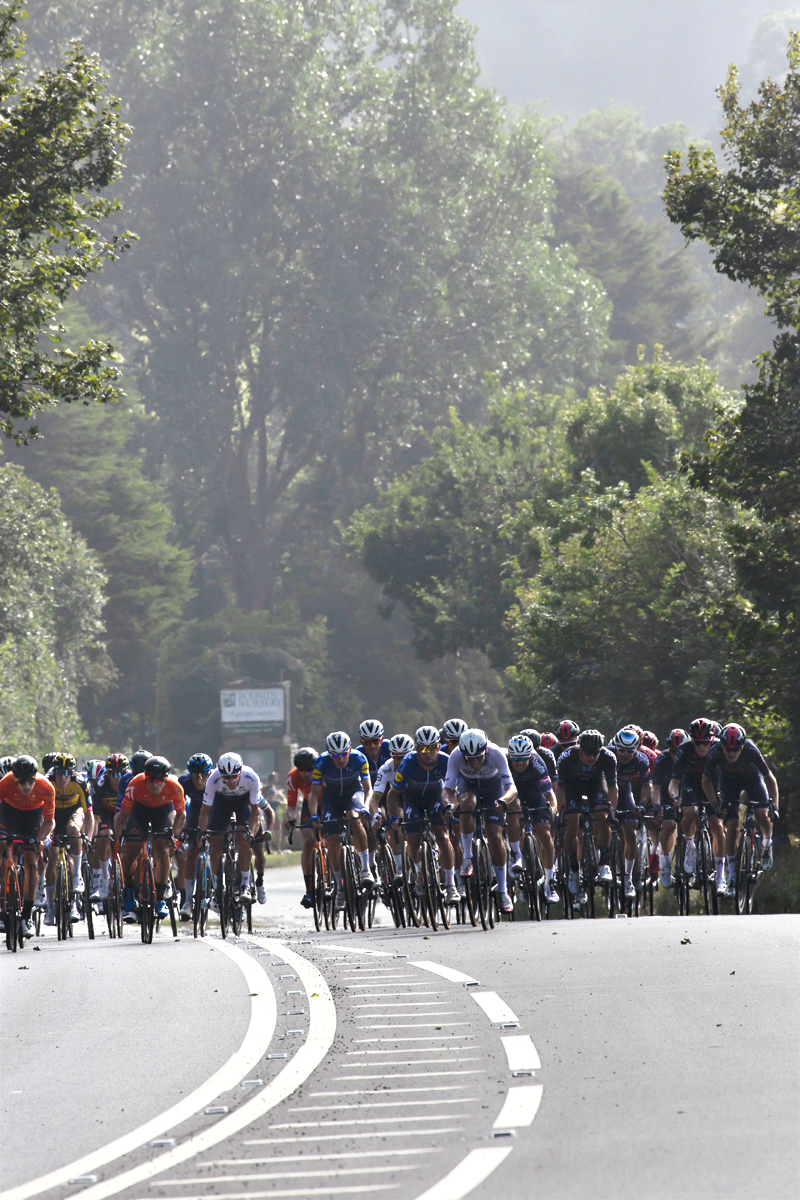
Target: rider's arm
180, 821
709, 789
613, 796
46, 828
772, 788
313, 798
561, 797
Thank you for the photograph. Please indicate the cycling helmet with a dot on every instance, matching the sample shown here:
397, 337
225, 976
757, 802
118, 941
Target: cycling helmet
48, 761
156, 767
453, 729
649, 739
701, 730
473, 743
96, 773
305, 758
732, 736
520, 746
200, 764
676, 738
591, 740
627, 739
548, 740
568, 731
64, 761
5, 764
338, 742
117, 764
370, 729
230, 764
427, 735
716, 729
638, 730
534, 735
138, 760
24, 768
401, 743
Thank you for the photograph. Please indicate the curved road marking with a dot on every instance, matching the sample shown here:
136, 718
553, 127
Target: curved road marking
521, 1053
321, 1032
496, 1009
445, 972
256, 1041
472, 1170
520, 1107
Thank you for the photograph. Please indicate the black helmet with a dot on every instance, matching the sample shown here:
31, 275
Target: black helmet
48, 761
156, 767
138, 759
305, 758
200, 764
591, 740
64, 761
24, 768
534, 735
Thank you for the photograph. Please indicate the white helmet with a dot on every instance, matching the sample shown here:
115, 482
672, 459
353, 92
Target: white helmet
230, 764
427, 735
338, 742
520, 746
370, 729
473, 742
453, 729
401, 743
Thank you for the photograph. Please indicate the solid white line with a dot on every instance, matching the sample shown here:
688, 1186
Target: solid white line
421, 1025
520, 1107
383, 1104
413, 1074
288, 1175
346, 1137
444, 972
447, 1087
247, 1162
454, 1037
365, 1121
496, 1009
413, 1062
256, 1041
471, 1171
321, 1032
384, 1004
353, 987
521, 1053
370, 953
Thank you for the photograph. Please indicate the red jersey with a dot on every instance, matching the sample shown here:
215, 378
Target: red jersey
296, 787
137, 792
43, 795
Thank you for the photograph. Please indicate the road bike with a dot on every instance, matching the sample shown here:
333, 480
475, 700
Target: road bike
146, 890
110, 906
12, 897
481, 885
748, 860
63, 894
531, 880
389, 886
203, 888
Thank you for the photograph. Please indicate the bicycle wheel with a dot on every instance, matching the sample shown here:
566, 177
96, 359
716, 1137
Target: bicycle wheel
589, 870
147, 900
86, 900
318, 889
13, 906
482, 865
360, 897
409, 891
173, 917
530, 877
225, 892
62, 902
429, 899
648, 883
705, 864
349, 881
116, 888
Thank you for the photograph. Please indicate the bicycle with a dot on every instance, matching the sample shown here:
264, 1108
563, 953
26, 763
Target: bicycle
432, 905
481, 885
63, 895
12, 898
390, 891
146, 891
323, 884
643, 879
111, 906
83, 899
530, 881
203, 888
748, 860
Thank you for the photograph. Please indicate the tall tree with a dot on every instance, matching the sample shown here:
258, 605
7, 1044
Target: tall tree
60, 142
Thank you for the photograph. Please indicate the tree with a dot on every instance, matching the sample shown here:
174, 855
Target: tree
60, 141
50, 624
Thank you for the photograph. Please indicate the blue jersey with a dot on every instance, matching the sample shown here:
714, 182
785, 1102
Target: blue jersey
123, 784
533, 782
374, 766
638, 766
189, 790
412, 779
341, 782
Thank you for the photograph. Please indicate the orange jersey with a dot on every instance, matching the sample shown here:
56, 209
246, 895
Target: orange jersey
42, 796
137, 792
296, 787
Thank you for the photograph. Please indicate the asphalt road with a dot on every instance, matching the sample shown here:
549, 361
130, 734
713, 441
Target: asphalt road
648, 1058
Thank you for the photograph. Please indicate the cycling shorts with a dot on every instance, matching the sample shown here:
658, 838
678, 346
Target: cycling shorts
541, 815
225, 808
193, 810
334, 809
626, 805
103, 816
751, 782
577, 797
64, 816
144, 820
487, 791
22, 823
417, 808
692, 796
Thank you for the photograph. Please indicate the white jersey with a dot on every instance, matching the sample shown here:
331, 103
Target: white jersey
248, 783
496, 763
385, 776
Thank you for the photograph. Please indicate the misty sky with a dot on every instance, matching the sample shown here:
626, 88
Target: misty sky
664, 56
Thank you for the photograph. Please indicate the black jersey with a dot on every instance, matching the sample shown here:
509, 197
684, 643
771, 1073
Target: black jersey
689, 765
548, 758
717, 765
533, 782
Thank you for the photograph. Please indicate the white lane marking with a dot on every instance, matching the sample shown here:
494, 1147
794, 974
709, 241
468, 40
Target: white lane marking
257, 1039
520, 1107
362, 1121
402, 1004
444, 972
471, 1171
321, 1032
496, 1009
246, 1162
413, 1062
421, 1025
288, 1175
325, 1191
521, 1053
369, 953
447, 1087
354, 987
454, 1037
413, 1075
346, 1137
382, 1104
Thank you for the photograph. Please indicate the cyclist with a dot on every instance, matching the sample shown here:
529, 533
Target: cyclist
298, 783
151, 803
232, 791
567, 736
478, 773
632, 765
686, 786
27, 810
72, 804
587, 776
649, 740
341, 787
546, 755
665, 809
388, 802
374, 746
549, 741
262, 822
104, 780
451, 731
138, 759
535, 793
735, 765
198, 768
417, 783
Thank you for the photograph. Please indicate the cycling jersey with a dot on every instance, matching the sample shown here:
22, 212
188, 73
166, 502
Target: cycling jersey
572, 772
661, 775
495, 766
716, 765
688, 768
548, 758
138, 793
533, 784
104, 798
747, 774
296, 787
341, 783
42, 795
384, 779
249, 785
374, 765
412, 779
74, 795
123, 787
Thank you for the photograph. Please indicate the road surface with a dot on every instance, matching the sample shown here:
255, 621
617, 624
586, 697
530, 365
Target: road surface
628, 1058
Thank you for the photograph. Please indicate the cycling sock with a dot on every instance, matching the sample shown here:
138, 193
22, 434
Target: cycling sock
189, 888
27, 909
76, 868
363, 858
629, 867
96, 876
466, 844
500, 875
105, 869
573, 862
666, 859
160, 889
50, 892
720, 867
306, 880
548, 873
731, 863
515, 850
372, 861
689, 840
398, 862
245, 880
766, 841
260, 879
450, 876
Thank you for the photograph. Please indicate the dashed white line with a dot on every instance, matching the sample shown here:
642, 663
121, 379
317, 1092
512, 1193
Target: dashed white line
383, 1104
471, 1171
447, 1087
366, 1121
521, 1053
520, 1107
288, 1175
444, 972
347, 1137
303, 1191
246, 1162
496, 1009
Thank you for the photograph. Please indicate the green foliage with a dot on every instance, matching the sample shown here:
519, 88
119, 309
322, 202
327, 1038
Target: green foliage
50, 624
60, 140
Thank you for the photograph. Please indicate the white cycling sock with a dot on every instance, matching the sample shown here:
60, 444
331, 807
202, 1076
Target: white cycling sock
731, 864
97, 875
629, 867
689, 840
105, 869
398, 862
766, 841
548, 873
450, 876
500, 875
363, 858
76, 867
666, 859
515, 850
50, 892
189, 888
720, 867
466, 844
245, 880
